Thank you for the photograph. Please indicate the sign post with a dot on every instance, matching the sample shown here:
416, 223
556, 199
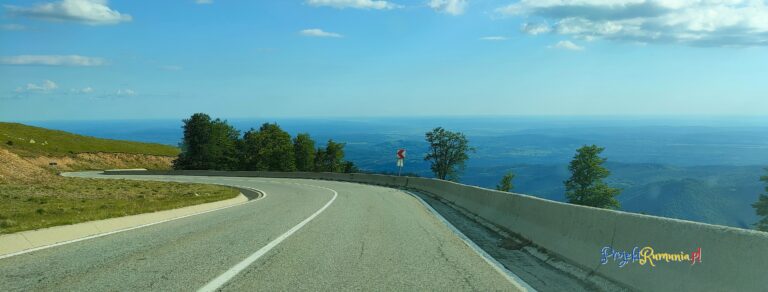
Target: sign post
400, 160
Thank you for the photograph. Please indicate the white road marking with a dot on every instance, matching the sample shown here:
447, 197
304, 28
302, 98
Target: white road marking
239, 267
511, 277
130, 228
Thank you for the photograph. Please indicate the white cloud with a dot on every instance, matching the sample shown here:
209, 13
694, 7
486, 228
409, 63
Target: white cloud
357, 4
12, 27
53, 60
452, 7
204, 1
125, 92
92, 12
535, 28
698, 23
316, 32
46, 86
567, 45
86, 90
494, 38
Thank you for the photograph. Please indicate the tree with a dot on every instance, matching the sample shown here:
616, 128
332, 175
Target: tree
586, 186
330, 159
270, 148
761, 207
207, 144
448, 151
506, 183
350, 167
223, 146
319, 159
304, 152
197, 131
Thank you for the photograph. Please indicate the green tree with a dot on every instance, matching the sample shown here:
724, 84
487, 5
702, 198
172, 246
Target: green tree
207, 144
197, 131
350, 167
304, 152
761, 207
223, 146
505, 185
270, 148
330, 159
586, 186
319, 160
448, 151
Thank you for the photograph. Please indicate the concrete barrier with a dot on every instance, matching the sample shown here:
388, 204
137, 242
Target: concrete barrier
732, 259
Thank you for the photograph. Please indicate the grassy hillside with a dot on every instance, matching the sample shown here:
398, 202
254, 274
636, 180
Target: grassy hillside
32, 196
29, 141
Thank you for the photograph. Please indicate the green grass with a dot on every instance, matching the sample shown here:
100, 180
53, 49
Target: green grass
66, 201
18, 137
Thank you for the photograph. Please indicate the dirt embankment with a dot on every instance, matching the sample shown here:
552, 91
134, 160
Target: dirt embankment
91, 161
14, 168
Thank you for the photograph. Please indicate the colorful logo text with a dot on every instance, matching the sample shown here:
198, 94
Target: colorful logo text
646, 255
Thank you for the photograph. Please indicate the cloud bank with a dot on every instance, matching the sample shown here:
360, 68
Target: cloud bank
91, 12
46, 86
452, 7
53, 60
125, 92
696, 23
319, 33
356, 4
85, 90
567, 45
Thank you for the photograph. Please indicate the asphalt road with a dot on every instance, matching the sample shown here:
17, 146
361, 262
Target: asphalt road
303, 235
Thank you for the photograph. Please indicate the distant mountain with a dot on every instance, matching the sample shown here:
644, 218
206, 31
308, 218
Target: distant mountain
711, 194
695, 200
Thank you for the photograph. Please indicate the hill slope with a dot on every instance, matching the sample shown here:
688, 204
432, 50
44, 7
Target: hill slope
32, 196
32, 141
71, 152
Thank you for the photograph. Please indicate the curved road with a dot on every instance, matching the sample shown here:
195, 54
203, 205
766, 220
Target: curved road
303, 235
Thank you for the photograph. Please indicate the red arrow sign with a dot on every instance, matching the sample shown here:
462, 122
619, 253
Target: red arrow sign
400, 153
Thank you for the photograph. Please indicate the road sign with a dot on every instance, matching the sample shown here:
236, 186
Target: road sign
400, 153
400, 162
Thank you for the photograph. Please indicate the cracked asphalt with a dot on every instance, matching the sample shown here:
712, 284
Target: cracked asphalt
369, 238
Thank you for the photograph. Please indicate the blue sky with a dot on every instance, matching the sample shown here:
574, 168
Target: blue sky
95, 59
